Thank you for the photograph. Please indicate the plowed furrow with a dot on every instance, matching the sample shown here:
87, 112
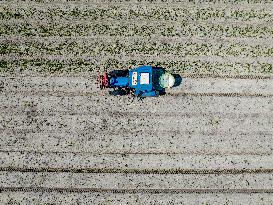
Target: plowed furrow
136, 191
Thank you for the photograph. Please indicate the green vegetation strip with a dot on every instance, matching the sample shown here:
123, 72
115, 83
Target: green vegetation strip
161, 1
179, 29
139, 12
98, 48
80, 65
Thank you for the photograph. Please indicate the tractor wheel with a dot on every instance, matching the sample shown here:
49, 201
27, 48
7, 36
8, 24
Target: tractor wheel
118, 92
119, 73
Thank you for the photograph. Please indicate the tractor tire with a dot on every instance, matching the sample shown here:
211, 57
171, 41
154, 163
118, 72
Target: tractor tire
118, 92
119, 73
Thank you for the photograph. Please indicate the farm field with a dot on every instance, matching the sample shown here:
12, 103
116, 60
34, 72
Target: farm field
64, 141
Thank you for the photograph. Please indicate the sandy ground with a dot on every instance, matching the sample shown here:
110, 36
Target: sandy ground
63, 141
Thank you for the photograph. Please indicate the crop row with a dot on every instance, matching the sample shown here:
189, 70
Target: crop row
80, 65
136, 12
98, 48
179, 29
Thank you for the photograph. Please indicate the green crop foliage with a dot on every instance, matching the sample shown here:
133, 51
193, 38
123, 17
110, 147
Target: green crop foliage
183, 66
142, 12
98, 47
191, 37
130, 29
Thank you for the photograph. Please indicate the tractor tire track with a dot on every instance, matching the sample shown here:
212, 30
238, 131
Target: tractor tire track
135, 161
136, 181
135, 191
201, 152
177, 94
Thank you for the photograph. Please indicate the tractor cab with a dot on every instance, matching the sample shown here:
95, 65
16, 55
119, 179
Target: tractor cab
145, 80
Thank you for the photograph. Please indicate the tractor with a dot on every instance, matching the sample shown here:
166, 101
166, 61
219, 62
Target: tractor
144, 81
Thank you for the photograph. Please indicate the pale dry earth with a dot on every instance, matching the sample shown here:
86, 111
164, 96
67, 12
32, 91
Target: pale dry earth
156, 150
